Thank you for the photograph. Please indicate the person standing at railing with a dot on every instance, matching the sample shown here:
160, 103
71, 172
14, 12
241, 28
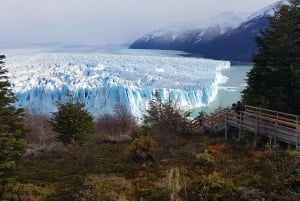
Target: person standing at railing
234, 107
240, 108
200, 118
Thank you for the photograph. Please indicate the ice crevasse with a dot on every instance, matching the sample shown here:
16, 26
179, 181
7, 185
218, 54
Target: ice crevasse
101, 81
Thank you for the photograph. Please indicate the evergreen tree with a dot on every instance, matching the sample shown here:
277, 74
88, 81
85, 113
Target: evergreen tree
164, 116
274, 81
12, 139
72, 123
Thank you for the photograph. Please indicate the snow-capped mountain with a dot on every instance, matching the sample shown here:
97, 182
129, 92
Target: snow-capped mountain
181, 38
268, 10
227, 19
232, 38
102, 81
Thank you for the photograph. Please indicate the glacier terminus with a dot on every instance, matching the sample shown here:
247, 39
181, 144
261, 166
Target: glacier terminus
102, 80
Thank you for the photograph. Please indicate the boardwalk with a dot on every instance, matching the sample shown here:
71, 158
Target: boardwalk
279, 126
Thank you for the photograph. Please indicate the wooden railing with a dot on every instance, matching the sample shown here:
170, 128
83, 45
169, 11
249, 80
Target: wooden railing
217, 120
278, 125
213, 123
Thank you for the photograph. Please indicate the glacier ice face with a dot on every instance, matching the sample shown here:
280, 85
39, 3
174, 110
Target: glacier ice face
101, 81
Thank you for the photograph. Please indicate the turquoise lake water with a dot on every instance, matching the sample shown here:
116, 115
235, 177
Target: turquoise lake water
228, 92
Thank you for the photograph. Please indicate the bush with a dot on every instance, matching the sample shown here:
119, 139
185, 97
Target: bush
40, 131
40, 151
142, 148
137, 132
174, 184
211, 187
106, 188
154, 194
205, 158
27, 192
72, 123
250, 194
216, 148
119, 124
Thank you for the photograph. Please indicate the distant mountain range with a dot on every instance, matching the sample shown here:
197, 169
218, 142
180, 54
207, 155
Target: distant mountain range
231, 39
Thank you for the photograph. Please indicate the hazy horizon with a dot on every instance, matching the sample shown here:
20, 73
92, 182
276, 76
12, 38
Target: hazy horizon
101, 22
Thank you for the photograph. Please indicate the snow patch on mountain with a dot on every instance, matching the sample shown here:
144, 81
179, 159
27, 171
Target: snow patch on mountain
227, 19
268, 10
207, 29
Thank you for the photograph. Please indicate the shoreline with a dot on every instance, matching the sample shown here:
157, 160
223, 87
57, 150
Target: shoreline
232, 62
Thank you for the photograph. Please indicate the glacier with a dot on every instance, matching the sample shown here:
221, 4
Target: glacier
40, 78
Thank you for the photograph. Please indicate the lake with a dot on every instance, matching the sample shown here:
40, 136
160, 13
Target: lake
228, 92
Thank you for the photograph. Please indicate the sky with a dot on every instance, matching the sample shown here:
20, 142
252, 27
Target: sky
105, 22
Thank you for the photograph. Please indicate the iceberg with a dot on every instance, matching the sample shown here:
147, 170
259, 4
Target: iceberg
103, 80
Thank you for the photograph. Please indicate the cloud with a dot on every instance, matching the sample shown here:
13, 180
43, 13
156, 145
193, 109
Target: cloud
104, 21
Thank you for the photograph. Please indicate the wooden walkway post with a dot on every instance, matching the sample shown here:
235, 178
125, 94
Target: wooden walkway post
240, 125
276, 130
297, 132
226, 118
256, 131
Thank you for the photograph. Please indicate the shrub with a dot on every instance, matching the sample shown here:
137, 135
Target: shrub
152, 194
40, 131
119, 124
216, 148
27, 192
211, 187
142, 148
250, 194
40, 151
124, 119
106, 188
205, 158
72, 123
174, 184
106, 125
137, 132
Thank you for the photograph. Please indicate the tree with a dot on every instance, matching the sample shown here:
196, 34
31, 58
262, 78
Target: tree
124, 119
12, 139
72, 123
164, 116
120, 122
274, 81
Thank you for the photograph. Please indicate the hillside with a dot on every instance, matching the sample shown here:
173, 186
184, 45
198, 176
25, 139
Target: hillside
103, 170
234, 42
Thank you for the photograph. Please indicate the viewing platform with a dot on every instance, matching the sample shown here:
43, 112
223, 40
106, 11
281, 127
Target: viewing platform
278, 126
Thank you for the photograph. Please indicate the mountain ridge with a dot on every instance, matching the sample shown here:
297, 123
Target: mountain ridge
220, 41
